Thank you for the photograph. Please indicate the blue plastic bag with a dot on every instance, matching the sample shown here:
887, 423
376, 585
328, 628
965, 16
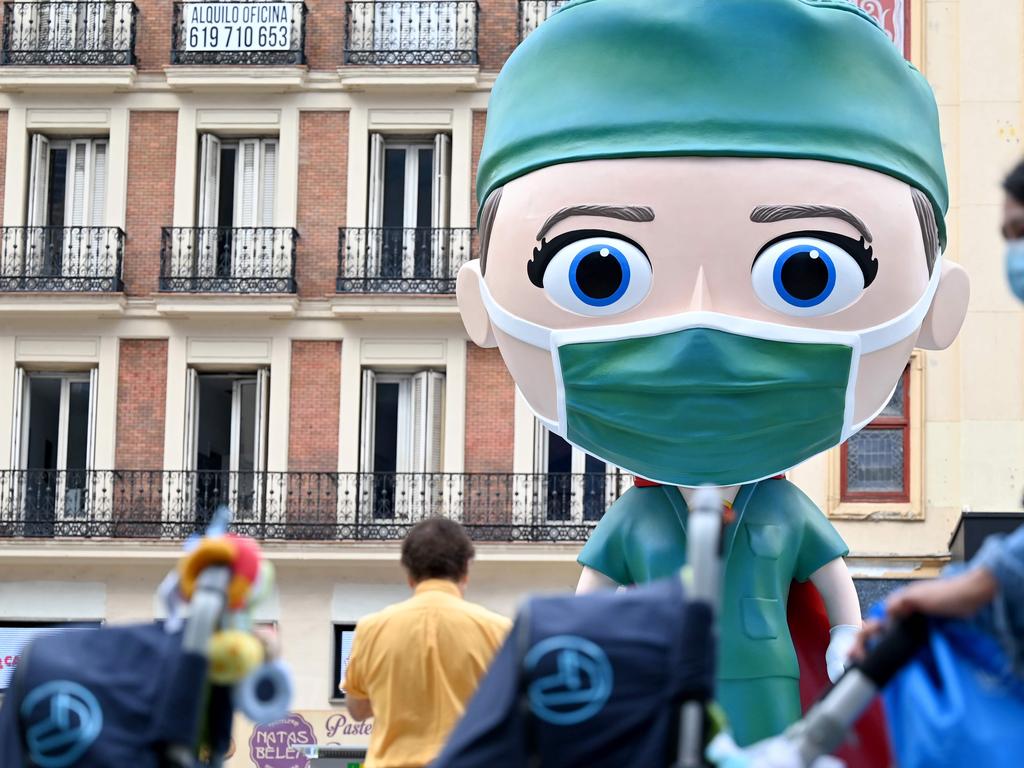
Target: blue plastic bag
957, 704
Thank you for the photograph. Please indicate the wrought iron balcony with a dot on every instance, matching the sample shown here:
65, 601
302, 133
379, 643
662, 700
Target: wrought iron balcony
60, 33
401, 259
533, 12
241, 33
228, 259
411, 32
61, 259
302, 505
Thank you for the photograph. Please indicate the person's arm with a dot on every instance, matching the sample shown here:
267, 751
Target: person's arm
359, 709
1003, 558
834, 583
997, 570
594, 581
357, 699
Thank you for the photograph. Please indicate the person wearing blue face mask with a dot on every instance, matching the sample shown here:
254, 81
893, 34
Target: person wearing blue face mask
1013, 229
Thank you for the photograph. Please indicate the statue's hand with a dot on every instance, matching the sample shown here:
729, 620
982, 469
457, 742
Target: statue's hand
838, 653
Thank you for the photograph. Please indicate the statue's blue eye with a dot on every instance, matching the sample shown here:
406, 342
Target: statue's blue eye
598, 276
807, 276
804, 276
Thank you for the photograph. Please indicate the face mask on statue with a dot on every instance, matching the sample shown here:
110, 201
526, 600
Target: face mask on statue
1015, 267
703, 397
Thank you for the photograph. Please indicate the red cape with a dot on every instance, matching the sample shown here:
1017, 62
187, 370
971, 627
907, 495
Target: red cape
868, 744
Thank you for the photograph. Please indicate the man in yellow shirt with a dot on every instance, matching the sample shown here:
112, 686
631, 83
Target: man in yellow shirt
415, 665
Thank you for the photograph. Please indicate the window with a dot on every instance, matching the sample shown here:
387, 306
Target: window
14, 636
53, 443
341, 647
237, 195
66, 211
876, 461
226, 440
237, 182
574, 486
402, 441
67, 182
408, 206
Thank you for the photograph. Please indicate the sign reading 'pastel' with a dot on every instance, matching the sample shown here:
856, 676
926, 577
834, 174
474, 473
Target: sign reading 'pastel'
239, 26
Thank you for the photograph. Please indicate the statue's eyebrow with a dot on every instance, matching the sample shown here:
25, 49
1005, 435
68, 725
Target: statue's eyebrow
624, 212
765, 214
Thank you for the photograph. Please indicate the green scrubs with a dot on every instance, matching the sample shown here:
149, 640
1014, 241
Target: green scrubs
778, 535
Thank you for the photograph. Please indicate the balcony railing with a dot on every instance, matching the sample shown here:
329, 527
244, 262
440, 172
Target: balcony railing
228, 259
56, 32
411, 32
239, 33
301, 505
61, 259
401, 259
533, 12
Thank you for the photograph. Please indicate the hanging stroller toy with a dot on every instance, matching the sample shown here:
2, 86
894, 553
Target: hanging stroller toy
153, 695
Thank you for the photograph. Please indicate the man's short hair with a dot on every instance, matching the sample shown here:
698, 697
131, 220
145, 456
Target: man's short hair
437, 549
1014, 183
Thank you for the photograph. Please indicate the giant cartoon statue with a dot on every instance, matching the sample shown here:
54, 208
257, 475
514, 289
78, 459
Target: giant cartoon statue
710, 238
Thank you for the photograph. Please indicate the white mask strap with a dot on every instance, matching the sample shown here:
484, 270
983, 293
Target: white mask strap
515, 326
896, 330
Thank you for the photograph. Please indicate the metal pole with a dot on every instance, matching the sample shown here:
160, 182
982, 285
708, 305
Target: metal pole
703, 555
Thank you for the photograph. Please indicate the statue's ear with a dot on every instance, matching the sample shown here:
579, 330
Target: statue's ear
471, 304
948, 310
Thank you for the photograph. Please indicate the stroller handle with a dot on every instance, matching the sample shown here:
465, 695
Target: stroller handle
826, 725
895, 649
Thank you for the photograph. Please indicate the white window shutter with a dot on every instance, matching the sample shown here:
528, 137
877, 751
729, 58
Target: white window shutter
209, 179
97, 15
375, 198
97, 213
25, 29
442, 184
207, 243
367, 421
121, 27
268, 183
17, 417
435, 422
246, 190
39, 181
262, 413
362, 26
63, 18
418, 423
90, 444
191, 444
76, 199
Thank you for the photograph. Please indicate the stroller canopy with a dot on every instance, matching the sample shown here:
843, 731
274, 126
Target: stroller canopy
589, 681
108, 697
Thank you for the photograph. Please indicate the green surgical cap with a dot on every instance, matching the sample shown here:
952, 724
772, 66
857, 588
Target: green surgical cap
816, 79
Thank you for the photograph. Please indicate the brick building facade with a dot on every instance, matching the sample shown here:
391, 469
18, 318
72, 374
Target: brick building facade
226, 277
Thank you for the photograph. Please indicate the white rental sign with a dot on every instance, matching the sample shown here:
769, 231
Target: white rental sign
239, 26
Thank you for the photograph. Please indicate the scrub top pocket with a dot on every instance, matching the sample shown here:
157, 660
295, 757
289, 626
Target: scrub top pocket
766, 540
761, 618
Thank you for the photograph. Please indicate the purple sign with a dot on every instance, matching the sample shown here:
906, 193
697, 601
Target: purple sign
279, 744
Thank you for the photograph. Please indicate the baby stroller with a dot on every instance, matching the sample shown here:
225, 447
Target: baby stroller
150, 695
627, 678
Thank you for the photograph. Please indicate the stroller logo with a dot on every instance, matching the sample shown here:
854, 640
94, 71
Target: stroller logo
65, 719
580, 685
